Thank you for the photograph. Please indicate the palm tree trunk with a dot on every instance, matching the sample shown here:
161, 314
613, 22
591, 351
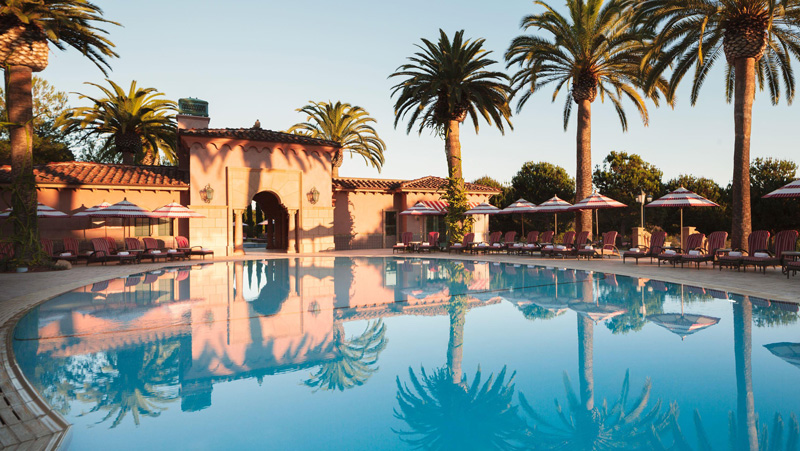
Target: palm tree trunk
455, 345
452, 147
583, 177
747, 433
744, 93
585, 361
19, 102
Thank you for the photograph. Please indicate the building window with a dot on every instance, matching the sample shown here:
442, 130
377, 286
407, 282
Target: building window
390, 223
165, 227
434, 224
141, 227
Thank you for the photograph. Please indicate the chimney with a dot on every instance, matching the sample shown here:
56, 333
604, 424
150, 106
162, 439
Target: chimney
192, 113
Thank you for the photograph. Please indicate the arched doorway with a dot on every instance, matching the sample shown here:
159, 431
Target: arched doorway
277, 229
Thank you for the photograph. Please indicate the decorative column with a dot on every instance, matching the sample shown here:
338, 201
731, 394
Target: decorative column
292, 235
238, 233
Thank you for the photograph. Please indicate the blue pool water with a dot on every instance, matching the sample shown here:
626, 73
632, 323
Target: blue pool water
341, 353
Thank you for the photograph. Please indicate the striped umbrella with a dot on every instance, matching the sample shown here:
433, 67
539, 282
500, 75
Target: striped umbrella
420, 209
790, 190
595, 202
175, 210
88, 212
124, 209
441, 206
520, 206
42, 211
484, 208
553, 205
682, 198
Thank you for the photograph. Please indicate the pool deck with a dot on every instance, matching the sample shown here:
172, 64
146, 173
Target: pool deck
27, 422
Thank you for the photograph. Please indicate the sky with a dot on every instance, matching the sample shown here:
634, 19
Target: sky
265, 59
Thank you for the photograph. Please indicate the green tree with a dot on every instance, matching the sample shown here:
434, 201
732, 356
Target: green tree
347, 125
595, 49
442, 85
27, 27
138, 124
767, 175
538, 182
757, 38
623, 176
707, 219
502, 200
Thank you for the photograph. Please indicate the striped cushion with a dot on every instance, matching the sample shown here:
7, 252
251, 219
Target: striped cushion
547, 237
758, 240
716, 241
785, 240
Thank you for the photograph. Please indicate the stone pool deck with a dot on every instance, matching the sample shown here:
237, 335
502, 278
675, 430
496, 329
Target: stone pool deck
26, 421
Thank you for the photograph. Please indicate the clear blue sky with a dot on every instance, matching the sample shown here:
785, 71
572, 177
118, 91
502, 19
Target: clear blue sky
264, 59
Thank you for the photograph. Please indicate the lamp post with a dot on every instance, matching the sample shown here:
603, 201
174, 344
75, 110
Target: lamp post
643, 198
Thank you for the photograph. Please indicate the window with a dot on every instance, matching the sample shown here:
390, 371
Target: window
165, 227
390, 223
434, 223
141, 227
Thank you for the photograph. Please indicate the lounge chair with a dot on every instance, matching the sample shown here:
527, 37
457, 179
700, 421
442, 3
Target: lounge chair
135, 247
494, 242
432, 244
465, 244
580, 242
549, 250
608, 247
693, 243
785, 241
656, 246
716, 241
183, 245
544, 239
72, 245
47, 246
102, 253
112, 244
508, 240
404, 244
758, 241
527, 246
6, 250
154, 251
792, 267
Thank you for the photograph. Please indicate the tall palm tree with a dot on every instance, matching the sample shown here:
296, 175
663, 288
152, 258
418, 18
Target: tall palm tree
356, 362
27, 27
134, 123
442, 85
346, 124
757, 38
594, 50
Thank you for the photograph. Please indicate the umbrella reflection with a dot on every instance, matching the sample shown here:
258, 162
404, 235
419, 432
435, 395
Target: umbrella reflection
683, 324
790, 352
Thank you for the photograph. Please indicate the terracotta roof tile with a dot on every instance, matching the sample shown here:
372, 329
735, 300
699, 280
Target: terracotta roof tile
257, 134
423, 184
82, 173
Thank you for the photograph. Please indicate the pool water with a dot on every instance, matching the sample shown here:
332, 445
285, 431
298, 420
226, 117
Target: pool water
391, 353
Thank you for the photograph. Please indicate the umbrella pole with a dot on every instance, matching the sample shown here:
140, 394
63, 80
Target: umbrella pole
522, 218
555, 228
681, 235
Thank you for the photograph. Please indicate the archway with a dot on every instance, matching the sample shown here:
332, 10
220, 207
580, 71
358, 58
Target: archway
278, 220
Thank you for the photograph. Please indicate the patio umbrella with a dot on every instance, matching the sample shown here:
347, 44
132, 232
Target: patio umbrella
90, 210
683, 324
522, 207
789, 352
790, 190
175, 210
682, 198
484, 208
595, 202
124, 210
420, 209
42, 211
553, 205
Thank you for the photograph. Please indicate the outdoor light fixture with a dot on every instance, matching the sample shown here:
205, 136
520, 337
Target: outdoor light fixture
313, 195
643, 198
207, 193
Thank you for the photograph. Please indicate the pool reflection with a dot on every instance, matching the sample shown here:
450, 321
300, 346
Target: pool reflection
126, 350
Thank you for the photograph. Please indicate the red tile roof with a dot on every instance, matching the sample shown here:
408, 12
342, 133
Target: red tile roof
257, 134
82, 173
429, 183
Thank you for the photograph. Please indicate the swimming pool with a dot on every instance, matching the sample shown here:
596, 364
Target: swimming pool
388, 353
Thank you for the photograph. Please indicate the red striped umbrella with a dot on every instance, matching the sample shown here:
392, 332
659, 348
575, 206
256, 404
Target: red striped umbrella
682, 198
175, 210
88, 212
124, 209
441, 206
42, 211
420, 209
790, 190
520, 206
553, 205
596, 202
484, 208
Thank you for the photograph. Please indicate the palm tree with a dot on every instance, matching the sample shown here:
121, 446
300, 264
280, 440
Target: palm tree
346, 124
757, 38
27, 27
441, 86
357, 359
136, 124
595, 50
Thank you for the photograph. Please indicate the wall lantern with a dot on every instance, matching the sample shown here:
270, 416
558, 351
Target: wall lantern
313, 195
207, 193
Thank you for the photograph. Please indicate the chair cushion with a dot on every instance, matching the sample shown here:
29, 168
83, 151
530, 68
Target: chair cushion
735, 254
694, 252
761, 255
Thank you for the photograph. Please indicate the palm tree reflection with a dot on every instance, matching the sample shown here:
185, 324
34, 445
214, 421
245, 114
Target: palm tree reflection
356, 362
